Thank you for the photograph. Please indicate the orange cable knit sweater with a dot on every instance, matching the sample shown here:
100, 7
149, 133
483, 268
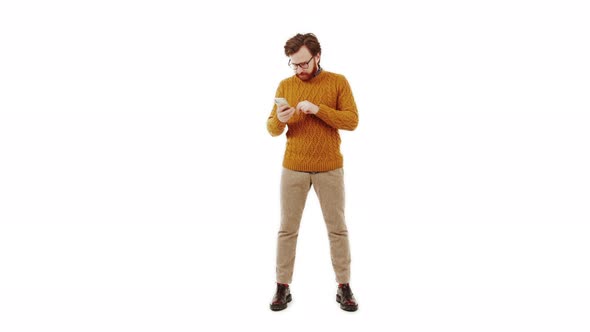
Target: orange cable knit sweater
313, 141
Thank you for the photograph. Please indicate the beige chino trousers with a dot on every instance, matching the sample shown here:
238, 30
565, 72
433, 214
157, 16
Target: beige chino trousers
329, 188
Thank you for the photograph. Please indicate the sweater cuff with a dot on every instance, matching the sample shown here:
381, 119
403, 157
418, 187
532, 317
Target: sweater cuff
275, 126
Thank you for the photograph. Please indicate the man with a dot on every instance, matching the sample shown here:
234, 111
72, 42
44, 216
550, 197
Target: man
323, 105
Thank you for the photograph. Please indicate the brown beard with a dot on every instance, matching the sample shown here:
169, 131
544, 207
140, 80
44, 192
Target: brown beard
306, 76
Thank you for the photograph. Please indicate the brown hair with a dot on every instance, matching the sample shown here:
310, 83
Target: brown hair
308, 40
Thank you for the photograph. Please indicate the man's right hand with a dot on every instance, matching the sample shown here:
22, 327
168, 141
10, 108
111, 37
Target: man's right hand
284, 113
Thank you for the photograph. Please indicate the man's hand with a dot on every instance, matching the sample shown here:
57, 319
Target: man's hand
307, 107
284, 113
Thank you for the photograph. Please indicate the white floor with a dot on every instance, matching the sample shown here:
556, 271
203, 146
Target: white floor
216, 273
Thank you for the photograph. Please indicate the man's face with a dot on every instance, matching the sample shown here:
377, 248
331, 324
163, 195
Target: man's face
303, 57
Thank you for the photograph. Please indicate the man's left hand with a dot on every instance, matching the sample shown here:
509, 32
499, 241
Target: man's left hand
307, 107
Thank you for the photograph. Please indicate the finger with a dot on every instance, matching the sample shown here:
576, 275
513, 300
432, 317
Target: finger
285, 114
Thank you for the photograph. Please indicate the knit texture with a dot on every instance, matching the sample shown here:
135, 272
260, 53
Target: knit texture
313, 141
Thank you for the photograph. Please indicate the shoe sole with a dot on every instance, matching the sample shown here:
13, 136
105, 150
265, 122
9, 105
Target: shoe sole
279, 307
346, 307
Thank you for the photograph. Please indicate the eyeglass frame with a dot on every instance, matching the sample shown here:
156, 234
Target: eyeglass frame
300, 65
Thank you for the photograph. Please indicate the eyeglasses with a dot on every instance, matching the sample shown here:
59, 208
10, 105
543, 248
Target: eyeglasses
303, 65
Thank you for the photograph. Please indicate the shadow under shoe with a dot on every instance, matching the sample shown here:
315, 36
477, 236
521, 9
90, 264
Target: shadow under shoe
281, 298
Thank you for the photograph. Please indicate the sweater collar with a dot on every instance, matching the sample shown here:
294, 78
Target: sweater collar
318, 71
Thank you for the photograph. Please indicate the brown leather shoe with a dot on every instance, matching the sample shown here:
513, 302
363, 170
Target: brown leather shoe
346, 299
281, 297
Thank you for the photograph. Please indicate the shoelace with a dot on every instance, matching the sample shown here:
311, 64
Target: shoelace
282, 289
346, 292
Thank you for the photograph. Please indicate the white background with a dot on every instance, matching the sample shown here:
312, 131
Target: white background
139, 187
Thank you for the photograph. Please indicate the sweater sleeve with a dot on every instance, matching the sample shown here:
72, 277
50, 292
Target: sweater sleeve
346, 116
274, 126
